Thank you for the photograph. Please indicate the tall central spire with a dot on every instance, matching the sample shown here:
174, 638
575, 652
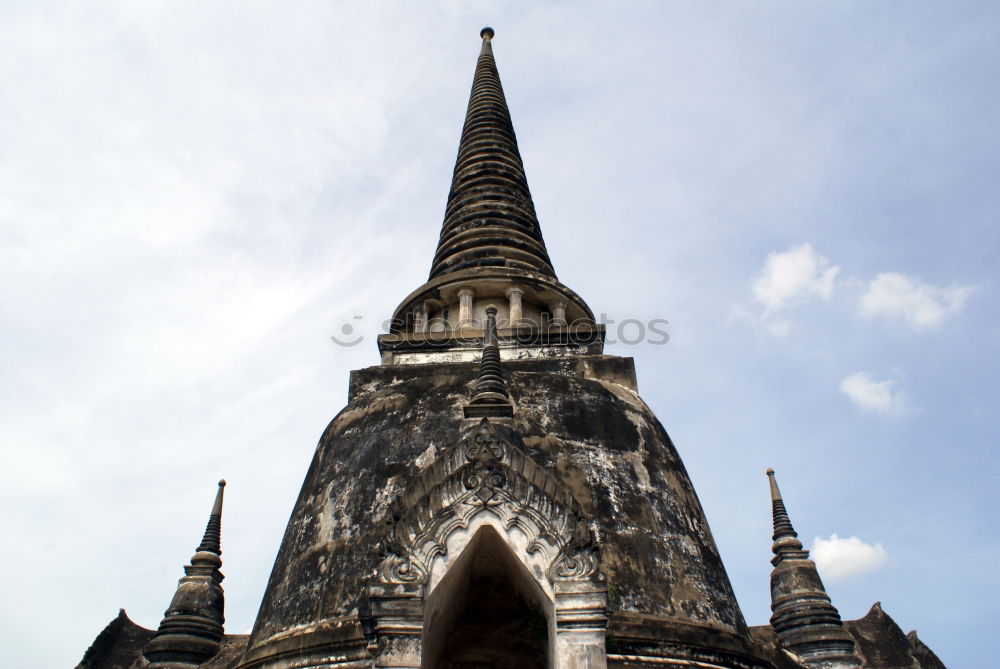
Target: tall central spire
490, 219
490, 252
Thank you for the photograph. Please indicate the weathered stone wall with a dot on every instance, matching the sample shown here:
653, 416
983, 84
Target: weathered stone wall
579, 420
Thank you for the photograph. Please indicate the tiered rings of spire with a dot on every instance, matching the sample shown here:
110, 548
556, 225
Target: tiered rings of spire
192, 627
490, 219
491, 397
490, 251
805, 620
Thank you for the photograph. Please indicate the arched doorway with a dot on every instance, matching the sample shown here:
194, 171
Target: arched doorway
488, 612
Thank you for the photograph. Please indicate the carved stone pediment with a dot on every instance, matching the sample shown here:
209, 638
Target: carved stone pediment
485, 479
485, 470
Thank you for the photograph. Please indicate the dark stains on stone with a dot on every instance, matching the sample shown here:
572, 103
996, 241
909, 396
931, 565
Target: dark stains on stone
582, 429
883, 644
927, 658
118, 645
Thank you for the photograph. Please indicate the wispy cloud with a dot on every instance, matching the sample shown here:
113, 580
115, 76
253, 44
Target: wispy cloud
840, 558
922, 305
789, 278
870, 395
794, 276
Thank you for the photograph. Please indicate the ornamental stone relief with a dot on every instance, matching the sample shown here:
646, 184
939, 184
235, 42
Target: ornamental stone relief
484, 471
484, 479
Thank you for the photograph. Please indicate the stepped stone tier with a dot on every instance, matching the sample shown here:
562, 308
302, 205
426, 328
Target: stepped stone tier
497, 494
491, 249
192, 628
490, 219
805, 620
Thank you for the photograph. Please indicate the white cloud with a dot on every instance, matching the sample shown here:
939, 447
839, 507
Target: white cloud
794, 276
843, 558
924, 306
874, 396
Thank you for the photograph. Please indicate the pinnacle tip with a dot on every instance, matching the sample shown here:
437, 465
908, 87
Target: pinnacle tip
769, 472
487, 33
222, 483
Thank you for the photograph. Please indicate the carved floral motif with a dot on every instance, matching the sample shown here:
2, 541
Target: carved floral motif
484, 474
578, 559
485, 470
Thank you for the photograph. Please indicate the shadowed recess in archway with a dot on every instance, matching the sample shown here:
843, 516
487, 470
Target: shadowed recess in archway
487, 612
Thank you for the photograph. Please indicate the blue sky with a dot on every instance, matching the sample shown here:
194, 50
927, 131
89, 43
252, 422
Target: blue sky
194, 198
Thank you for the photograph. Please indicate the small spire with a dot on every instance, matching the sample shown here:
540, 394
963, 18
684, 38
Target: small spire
192, 627
212, 541
782, 523
802, 615
490, 375
491, 397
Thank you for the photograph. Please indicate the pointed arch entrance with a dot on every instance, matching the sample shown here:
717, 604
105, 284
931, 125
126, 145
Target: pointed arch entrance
484, 526
487, 611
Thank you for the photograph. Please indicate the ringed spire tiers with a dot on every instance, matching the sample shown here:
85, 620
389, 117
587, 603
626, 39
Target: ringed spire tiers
491, 398
192, 627
490, 219
803, 617
490, 250
786, 542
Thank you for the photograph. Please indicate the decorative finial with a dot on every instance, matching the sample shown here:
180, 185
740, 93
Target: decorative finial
491, 397
491, 328
785, 538
212, 541
487, 33
773, 482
